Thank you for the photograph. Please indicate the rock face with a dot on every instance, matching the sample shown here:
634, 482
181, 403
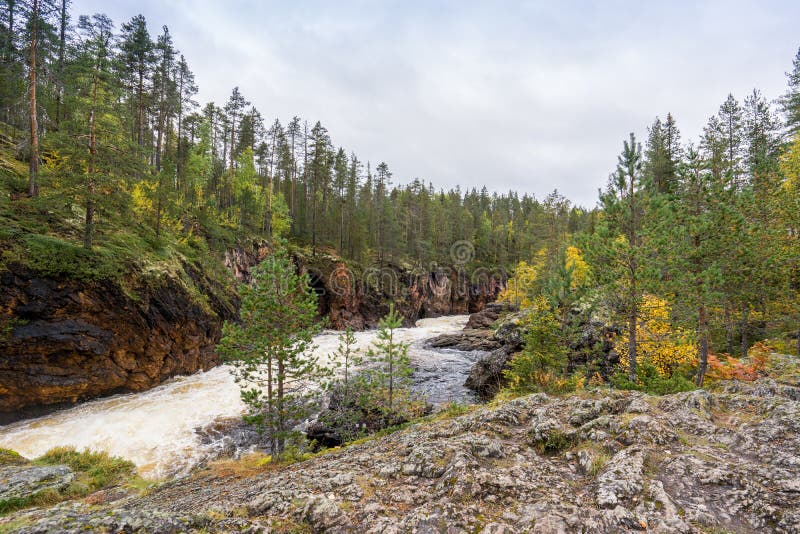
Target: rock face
359, 297
486, 376
600, 462
65, 340
71, 340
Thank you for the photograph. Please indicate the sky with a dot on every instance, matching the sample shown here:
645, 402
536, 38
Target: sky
526, 95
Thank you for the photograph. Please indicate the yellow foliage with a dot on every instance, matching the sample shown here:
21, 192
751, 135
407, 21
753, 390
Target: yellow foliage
520, 288
580, 269
790, 165
142, 197
656, 340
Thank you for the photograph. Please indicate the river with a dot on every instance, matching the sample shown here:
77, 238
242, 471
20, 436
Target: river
157, 429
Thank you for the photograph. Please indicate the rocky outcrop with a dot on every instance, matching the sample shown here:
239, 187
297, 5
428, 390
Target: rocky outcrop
358, 297
600, 462
20, 482
67, 340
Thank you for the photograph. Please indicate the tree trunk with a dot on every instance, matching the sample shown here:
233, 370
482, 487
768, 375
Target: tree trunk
9, 44
743, 327
391, 372
89, 225
33, 174
179, 158
140, 109
62, 40
633, 311
281, 437
702, 327
270, 423
728, 328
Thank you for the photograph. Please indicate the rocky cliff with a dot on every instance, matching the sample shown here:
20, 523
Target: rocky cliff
358, 296
63, 340
66, 340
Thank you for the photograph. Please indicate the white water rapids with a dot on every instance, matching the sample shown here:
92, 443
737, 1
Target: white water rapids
156, 429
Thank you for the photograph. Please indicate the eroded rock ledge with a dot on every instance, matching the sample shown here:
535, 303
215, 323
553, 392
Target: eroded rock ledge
69, 340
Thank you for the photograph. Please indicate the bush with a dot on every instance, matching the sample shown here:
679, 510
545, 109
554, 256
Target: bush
650, 380
554, 442
542, 363
725, 367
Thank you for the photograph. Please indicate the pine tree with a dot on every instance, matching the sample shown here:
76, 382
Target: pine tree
687, 232
271, 349
616, 252
791, 100
388, 365
136, 49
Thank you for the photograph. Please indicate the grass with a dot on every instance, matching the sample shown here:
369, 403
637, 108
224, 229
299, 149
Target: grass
93, 471
555, 442
9, 457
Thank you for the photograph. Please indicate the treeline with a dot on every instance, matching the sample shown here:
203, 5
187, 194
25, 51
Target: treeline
695, 254
112, 115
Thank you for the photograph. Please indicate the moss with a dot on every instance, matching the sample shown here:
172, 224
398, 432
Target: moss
14, 525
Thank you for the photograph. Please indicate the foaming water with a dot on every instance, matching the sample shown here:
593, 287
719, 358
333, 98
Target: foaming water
155, 429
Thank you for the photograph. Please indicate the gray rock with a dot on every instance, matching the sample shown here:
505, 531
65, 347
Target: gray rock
621, 478
20, 481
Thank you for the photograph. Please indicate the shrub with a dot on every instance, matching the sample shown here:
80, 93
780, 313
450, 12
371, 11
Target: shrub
725, 367
541, 364
650, 380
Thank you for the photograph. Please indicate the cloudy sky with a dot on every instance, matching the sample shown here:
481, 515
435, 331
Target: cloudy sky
526, 95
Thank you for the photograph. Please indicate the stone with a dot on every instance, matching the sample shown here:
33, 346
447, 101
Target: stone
21, 481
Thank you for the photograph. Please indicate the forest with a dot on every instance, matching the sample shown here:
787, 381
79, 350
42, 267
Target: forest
106, 154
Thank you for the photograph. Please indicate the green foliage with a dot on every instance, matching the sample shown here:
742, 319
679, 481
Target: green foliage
554, 442
377, 395
388, 368
651, 381
56, 257
542, 363
271, 349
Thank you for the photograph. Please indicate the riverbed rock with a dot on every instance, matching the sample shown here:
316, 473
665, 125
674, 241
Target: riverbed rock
467, 340
487, 317
486, 377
